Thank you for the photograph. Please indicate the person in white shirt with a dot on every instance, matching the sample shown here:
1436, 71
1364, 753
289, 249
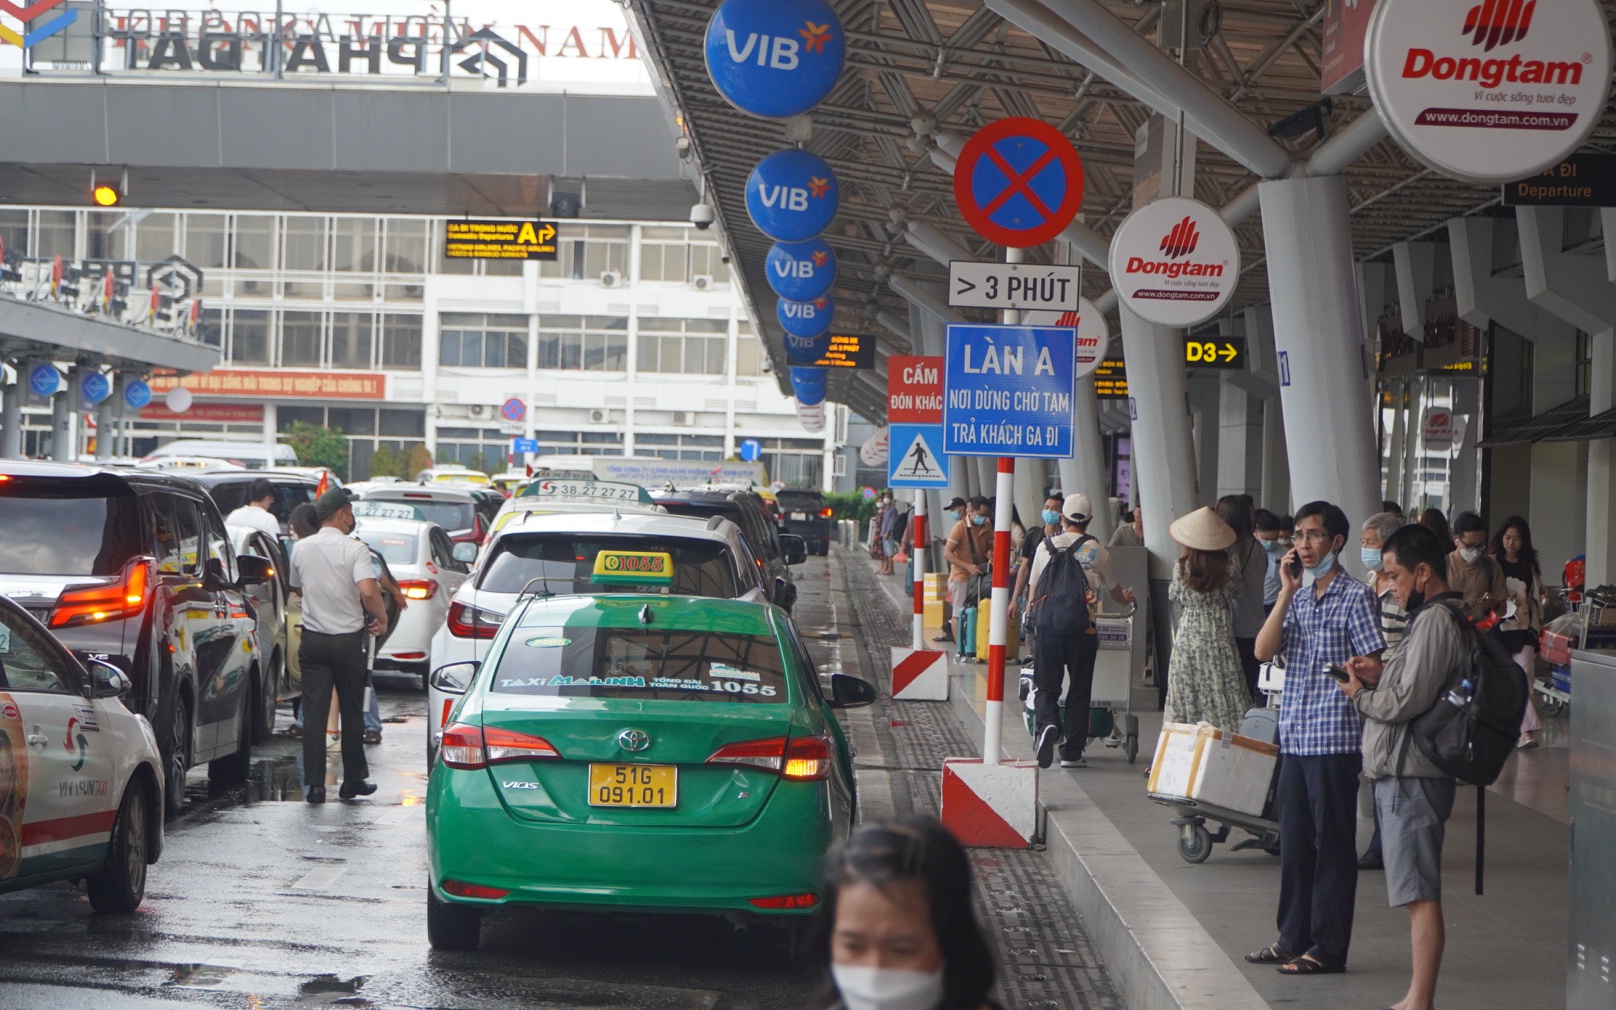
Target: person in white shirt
256, 514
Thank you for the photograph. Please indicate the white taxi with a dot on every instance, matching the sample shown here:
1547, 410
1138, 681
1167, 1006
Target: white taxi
81, 794
564, 553
421, 558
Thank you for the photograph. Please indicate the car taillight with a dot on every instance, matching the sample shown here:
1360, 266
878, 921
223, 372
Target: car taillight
470, 622
418, 589
804, 759
472, 747
90, 604
825, 513
461, 889
462, 747
783, 901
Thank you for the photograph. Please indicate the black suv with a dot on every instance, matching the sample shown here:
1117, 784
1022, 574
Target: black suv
775, 553
229, 490
803, 513
135, 567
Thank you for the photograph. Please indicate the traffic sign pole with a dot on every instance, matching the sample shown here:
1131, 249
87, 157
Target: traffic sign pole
999, 610
917, 559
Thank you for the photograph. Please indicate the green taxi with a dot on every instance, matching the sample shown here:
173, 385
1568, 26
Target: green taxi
638, 751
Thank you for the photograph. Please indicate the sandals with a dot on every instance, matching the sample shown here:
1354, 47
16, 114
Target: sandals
1272, 954
1307, 964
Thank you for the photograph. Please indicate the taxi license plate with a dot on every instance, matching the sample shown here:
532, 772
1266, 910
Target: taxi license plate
633, 786
799, 516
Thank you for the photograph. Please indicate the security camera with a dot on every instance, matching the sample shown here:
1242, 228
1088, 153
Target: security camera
681, 147
766, 367
701, 215
724, 259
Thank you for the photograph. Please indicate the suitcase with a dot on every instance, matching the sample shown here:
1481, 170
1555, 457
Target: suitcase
1012, 636
965, 634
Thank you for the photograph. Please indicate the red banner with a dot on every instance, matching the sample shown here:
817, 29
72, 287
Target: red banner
228, 413
1346, 22
280, 383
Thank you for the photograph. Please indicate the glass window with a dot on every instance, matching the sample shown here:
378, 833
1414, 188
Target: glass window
352, 420
683, 346
100, 240
285, 416
394, 548
205, 240
473, 340
255, 242
47, 528
305, 243
249, 337
55, 234
640, 663
300, 339
179, 535
154, 238
210, 328
14, 230
401, 341
351, 339
29, 661
588, 343
700, 567
406, 246
404, 423
353, 244
707, 258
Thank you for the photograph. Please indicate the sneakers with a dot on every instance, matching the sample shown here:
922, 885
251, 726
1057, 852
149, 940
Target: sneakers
1024, 686
1047, 738
1078, 762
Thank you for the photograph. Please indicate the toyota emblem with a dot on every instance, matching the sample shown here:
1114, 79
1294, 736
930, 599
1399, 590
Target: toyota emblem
634, 740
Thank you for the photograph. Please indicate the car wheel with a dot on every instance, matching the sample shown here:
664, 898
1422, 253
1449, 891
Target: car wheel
264, 724
176, 757
451, 927
120, 885
233, 767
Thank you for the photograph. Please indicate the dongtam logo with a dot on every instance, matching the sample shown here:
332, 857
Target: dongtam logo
1492, 91
1182, 240
27, 39
1498, 22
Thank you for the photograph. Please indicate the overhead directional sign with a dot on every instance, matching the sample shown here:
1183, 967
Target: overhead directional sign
500, 239
1215, 352
1007, 391
1019, 182
848, 350
524, 445
915, 456
1585, 179
1013, 286
1111, 380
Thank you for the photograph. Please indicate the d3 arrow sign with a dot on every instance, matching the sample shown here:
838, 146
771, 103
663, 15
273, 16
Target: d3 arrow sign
1215, 352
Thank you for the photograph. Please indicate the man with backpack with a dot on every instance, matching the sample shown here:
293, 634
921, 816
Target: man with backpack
1064, 569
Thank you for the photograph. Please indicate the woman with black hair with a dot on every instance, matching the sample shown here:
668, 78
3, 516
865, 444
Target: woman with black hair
898, 928
1523, 577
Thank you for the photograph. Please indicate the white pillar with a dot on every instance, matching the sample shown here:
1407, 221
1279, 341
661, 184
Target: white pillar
11, 413
1163, 452
1319, 334
1085, 471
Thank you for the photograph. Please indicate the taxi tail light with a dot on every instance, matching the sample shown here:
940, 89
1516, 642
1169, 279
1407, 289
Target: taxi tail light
418, 589
91, 604
461, 889
807, 759
785, 901
509, 745
462, 747
766, 754
802, 759
824, 513
470, 622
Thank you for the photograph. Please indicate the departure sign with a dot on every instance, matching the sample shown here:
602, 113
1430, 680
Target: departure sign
849, 350
1111, 380
1215, 352
499, 240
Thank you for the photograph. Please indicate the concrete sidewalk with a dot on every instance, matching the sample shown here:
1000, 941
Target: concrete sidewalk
1172, 933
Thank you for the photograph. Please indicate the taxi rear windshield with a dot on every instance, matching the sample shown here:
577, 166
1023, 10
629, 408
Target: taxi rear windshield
55, 527
642, 663
394, 548
451, 515
565, 562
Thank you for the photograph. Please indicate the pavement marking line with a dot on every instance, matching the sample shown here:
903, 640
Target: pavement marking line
319, 879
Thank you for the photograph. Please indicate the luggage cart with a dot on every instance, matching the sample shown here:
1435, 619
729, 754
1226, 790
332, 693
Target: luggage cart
1195, 839
1111, 717
1583, 627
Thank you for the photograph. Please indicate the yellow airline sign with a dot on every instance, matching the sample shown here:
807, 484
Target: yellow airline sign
499, 239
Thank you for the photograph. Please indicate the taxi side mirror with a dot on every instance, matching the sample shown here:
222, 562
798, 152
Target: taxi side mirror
106, 680
795, 548
464, 552
252, 570
850, 692
455, 678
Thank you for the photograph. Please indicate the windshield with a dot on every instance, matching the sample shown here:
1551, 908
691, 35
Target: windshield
567, 561
799, 502
50, 528
394, 548
462, 477
642, 664
451, 515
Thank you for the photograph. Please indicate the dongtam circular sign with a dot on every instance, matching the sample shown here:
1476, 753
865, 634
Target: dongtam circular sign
1175, 262
792, 196
1489, 91
801, 271
775, 58
1093, 336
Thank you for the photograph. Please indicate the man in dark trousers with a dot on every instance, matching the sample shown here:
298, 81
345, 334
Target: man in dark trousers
341, 603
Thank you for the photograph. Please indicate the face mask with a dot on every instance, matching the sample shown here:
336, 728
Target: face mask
887, 988
1050, 517
954, 514
1371, 557
978, 520
1470, 554
1269, 545
1322, 569
1415, 598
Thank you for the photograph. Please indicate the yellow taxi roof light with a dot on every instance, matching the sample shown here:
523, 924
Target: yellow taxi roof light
639, 567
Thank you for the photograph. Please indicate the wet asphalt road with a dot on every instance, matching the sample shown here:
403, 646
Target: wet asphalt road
263, 901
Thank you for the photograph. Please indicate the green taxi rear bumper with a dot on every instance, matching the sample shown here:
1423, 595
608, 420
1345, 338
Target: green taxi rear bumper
472, 839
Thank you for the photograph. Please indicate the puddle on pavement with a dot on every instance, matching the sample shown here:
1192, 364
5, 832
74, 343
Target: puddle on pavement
324, 985
272, 778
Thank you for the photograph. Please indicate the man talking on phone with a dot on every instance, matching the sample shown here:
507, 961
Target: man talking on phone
1334, 618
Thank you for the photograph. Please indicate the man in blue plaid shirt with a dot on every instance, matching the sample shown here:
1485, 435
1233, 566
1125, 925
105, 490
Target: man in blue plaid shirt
1320, 741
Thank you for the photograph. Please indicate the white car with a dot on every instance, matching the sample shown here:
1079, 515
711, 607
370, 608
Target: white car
81, 783
555, 553
421, 558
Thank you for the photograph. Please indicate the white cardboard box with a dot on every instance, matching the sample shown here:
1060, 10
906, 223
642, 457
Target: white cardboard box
1209, 765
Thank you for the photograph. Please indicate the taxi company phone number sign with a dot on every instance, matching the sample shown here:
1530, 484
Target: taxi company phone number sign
499, 240
1007, 391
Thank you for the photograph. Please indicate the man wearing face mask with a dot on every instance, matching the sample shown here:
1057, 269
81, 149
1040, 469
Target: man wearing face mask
1320, 737
1051, 517
968, 549
1471, 572
339, 591
1269, 531
953, 512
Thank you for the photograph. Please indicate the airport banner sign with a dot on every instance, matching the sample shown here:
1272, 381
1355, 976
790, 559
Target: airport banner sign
278, 384
500, 239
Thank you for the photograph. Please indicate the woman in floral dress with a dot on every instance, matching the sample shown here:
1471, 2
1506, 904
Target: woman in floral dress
1205, 681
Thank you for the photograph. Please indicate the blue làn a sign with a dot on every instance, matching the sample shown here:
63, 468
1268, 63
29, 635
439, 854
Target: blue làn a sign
1007, 391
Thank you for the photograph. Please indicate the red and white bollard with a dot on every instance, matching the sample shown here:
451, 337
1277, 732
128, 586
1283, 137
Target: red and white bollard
919, 673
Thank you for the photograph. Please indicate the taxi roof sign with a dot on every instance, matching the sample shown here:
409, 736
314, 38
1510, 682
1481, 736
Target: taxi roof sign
634, 566
587, 490
500, 239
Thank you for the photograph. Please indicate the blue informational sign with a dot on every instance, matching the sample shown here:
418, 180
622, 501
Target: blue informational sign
808, 384
801, 271
1007, 391
792, 196
805, 319
136, 394
44, 380
806, 350
775, 58
751, 449
523, 445
94, 387
915, 456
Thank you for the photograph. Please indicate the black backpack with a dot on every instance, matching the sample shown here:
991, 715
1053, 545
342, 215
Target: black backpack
1062, 607
1475, 723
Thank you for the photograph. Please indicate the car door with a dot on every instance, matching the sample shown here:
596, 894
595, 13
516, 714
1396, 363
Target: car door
58, 798
180, 556
228, 648
269, 610
451, 574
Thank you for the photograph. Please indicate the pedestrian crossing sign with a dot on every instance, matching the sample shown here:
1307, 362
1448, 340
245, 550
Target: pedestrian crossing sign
915, 458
